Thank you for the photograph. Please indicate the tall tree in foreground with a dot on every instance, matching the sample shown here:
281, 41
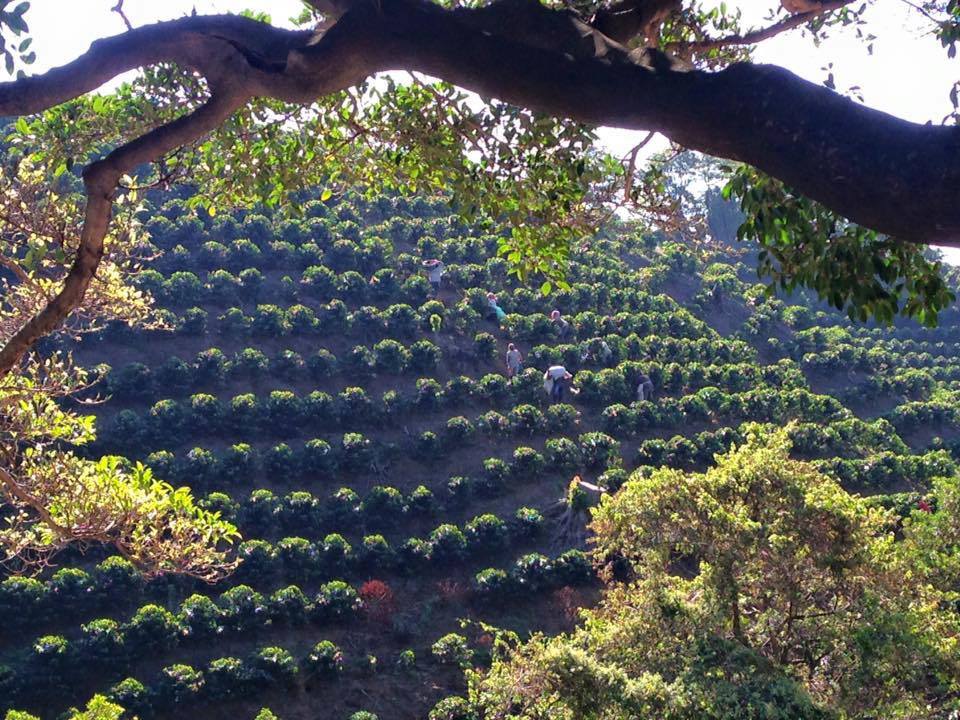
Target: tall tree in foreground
54, 497
249, 111
758, 587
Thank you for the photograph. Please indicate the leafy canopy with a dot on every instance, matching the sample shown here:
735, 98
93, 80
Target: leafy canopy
757, 587
55, 497
540, 180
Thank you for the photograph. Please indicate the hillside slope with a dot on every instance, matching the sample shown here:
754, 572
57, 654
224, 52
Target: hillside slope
389, 481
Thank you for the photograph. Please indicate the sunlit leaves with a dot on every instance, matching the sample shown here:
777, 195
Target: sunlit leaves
39, 234
110, 501
54, 498
15, 41
759, 588
535, 177
70, 135
803, 244
51, 497
98, 708
946, 16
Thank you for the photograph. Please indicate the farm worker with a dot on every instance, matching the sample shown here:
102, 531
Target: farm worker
596, 350
497, 310
434, 273
555, 379
514, 360
599, 351
605, 352
644, 388
561, 325
716, 294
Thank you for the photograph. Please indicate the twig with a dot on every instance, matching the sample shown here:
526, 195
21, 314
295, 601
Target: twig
631, 166
118, 9
755, 36
922, 10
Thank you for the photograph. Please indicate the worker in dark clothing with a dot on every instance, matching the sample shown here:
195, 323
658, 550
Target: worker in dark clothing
560, 325
644, 388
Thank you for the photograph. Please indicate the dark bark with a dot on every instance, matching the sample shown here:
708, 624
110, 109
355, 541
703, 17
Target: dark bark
897, 177
885, 173
622, 21
100, 181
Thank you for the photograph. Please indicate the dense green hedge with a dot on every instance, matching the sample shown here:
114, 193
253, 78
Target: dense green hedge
313, 370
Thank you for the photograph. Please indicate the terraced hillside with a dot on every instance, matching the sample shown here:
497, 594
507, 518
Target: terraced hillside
395, 491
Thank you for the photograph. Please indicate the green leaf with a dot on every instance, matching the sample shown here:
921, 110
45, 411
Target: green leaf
16, 23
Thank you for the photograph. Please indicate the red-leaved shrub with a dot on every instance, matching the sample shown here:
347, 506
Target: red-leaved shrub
379, 603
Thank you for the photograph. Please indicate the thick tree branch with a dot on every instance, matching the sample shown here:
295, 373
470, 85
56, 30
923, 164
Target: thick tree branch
860, 162
100, 180
857, 161
755, 36
624, 20
203, 43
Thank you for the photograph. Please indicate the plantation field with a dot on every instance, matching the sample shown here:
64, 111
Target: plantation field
395, 491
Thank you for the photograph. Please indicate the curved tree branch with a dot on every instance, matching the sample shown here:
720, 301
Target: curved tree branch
756, 36
16, 491
100, 181
207, 44
626, 19
857, 161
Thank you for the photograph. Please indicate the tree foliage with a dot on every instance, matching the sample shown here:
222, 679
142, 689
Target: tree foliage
758, 586
55, 497
803, 244
242, 111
